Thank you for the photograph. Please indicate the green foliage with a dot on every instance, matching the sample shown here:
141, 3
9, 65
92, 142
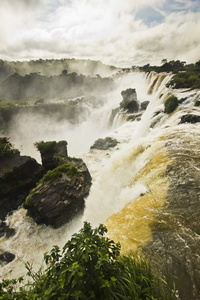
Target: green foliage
69, 170
188, 79
89, 267
171, 104
45, 147
174, 66
28, 202
6, 148
36, 86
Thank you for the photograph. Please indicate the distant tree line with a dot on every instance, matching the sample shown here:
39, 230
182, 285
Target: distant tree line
185, 75
66, 85
50, 67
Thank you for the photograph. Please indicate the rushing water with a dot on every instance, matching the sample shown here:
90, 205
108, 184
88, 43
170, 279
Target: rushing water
120, 176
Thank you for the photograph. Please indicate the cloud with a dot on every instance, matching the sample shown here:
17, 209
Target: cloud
119, 32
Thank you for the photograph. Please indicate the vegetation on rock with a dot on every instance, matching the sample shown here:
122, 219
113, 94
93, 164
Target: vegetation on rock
171, 104
89, 267
187, 79
129, 102
69, 170
6, 148
49, 147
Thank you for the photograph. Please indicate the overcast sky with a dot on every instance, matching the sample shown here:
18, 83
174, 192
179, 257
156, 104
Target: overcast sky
117, 32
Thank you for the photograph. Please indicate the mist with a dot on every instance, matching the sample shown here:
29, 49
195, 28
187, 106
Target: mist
80, 127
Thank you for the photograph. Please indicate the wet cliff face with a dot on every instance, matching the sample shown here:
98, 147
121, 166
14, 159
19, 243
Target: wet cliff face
175, 249
164, 223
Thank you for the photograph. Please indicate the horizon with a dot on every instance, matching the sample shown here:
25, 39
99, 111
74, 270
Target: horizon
115, 32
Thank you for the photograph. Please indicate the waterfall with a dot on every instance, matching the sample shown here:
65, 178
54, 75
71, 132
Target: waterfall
129, 186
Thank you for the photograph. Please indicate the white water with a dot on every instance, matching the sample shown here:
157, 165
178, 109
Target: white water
112, 171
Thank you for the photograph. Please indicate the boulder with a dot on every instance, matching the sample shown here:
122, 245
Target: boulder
18, 175
6, 258
48, 150
129, 102
190, 118
6, 230
144, 105
60, 194
104, 144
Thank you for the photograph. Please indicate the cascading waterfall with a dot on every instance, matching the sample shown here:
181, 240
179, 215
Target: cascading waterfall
129, 178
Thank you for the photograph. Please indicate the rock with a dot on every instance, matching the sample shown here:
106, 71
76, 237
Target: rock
174, 251
6, 230
18, 175
144, 105
60, 194
6, 258
114, 112
189, 118
104, 144
134, 117
48, 150
129, 102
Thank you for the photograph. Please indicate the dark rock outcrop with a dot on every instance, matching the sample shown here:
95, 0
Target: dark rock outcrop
6, 258
48, 150
175, 250
18, 175
144, 105
189, 118
6, 230
134, 117
129, 102
104, 144
60, 194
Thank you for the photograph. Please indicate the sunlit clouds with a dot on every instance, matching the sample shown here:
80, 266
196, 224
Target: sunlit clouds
118, 32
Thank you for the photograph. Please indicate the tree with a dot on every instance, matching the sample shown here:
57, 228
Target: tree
164, 61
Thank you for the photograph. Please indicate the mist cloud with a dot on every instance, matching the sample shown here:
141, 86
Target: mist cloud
119, 32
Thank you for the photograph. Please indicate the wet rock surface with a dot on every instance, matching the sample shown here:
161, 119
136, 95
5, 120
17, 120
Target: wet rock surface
6, 258
104, 144
175, 249
190, 118
129, 103
144, 105
56, 201
18, 175
6, 230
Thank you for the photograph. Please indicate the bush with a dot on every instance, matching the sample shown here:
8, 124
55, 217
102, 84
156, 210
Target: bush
69, 170
6, 148
89, 267
171, 104
188, 79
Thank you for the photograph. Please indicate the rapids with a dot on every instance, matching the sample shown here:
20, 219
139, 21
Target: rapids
130, 186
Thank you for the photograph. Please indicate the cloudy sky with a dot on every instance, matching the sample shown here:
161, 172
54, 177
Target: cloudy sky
118, 32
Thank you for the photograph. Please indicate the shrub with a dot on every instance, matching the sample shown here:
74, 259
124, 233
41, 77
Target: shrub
89, 267
45, 147
6, 148
68, 169
171, 104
